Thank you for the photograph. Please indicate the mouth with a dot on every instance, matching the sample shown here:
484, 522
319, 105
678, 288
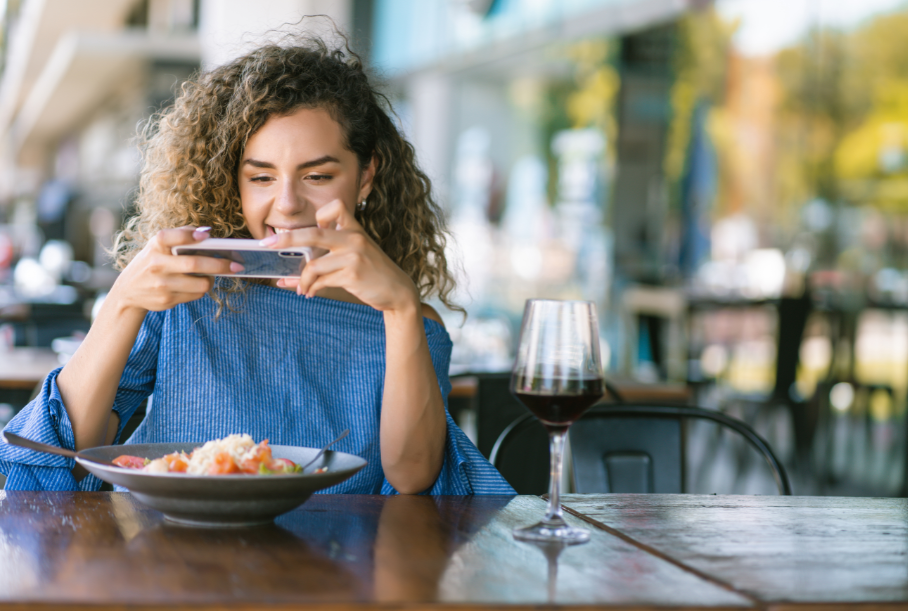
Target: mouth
271, 230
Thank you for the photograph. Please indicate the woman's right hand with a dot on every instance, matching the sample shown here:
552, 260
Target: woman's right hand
156, 279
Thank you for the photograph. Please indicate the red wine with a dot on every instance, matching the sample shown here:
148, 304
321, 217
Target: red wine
557, 403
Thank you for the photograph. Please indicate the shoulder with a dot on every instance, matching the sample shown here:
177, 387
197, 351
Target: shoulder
430, 313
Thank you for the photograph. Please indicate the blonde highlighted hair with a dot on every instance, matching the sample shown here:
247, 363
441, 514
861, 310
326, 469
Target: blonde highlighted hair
192, 150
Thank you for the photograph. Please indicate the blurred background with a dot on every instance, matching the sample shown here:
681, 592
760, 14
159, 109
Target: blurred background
727, 180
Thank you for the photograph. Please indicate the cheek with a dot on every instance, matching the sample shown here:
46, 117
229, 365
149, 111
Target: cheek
253, 214
320, 198
249, 206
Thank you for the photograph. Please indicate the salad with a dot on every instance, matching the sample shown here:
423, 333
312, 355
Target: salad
232, 455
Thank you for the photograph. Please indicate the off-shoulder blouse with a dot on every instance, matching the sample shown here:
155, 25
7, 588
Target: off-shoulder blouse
292, 370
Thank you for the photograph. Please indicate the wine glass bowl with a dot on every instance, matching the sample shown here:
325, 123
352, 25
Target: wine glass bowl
558, 376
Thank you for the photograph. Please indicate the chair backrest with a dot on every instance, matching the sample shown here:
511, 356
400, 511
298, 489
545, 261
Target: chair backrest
495, 408
630, 454
631, 448
526, 464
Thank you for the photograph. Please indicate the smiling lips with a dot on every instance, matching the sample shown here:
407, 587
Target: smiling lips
270, 231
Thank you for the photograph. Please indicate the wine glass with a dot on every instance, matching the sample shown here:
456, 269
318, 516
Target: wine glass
557, 376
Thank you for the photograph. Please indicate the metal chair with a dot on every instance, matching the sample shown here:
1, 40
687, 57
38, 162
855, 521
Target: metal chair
622, 448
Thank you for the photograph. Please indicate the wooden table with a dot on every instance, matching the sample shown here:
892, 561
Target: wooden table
778, 551
24, 368
88, 550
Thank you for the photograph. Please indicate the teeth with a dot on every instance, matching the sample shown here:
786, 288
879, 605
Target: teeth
279, 230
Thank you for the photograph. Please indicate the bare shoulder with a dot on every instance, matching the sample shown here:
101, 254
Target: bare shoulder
430, 313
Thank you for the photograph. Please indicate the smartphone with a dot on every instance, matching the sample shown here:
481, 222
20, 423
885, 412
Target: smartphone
258, 261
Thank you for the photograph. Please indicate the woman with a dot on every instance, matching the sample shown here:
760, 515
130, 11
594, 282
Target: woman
291, 146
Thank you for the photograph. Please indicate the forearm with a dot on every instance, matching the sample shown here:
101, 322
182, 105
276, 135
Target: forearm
413, 424
89, 381
155, 280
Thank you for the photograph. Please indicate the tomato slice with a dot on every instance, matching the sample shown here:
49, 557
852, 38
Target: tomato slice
261, 455
177, 462
282, 465
129, 462
223, 464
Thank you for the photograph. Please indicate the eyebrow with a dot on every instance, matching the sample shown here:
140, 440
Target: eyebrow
303, 166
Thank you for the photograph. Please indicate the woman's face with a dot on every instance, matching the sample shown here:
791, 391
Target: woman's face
292, 166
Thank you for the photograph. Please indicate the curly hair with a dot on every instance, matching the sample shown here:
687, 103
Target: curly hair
192, 150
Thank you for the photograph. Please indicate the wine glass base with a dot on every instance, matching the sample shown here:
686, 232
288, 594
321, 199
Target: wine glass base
552, 533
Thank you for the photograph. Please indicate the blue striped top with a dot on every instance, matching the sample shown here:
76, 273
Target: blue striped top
292, 370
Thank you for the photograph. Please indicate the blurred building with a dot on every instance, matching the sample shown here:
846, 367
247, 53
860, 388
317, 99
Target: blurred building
78, 78
514, 110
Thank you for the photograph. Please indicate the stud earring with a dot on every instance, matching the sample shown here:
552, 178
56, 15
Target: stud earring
362, 205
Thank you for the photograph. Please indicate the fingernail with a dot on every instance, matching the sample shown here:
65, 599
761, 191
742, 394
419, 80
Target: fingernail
298, 291
269, 240
201, 233
236, 267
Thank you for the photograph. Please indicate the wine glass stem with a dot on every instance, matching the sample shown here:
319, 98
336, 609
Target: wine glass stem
556, 451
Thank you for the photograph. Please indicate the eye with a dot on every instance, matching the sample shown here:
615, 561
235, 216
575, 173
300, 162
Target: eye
261, 179
318, 178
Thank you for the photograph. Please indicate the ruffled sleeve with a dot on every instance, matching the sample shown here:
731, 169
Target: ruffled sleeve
45, 419
464, 470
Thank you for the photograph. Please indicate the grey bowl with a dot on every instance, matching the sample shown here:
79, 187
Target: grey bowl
222, 500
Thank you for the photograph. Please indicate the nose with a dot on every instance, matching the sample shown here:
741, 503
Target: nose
289, 201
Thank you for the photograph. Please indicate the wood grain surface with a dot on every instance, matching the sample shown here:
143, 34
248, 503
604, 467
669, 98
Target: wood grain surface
776, 549
336, 551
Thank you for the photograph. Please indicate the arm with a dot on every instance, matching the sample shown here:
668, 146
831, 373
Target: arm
413, 425
154, 280
90, 379
413, 421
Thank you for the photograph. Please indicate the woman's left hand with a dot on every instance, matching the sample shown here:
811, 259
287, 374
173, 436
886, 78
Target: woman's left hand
413, 424
354, 262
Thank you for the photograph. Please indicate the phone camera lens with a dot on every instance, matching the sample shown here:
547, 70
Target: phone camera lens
291, 254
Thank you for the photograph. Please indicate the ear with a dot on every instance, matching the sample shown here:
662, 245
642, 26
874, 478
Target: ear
365, 180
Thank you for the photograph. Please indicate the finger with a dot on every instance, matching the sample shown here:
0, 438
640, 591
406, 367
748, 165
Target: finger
168, 238
336, 215
194, 286
323, 282
200, 264
326, 216
320, 267
314, 237
179, 289
288, 282
201, 233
